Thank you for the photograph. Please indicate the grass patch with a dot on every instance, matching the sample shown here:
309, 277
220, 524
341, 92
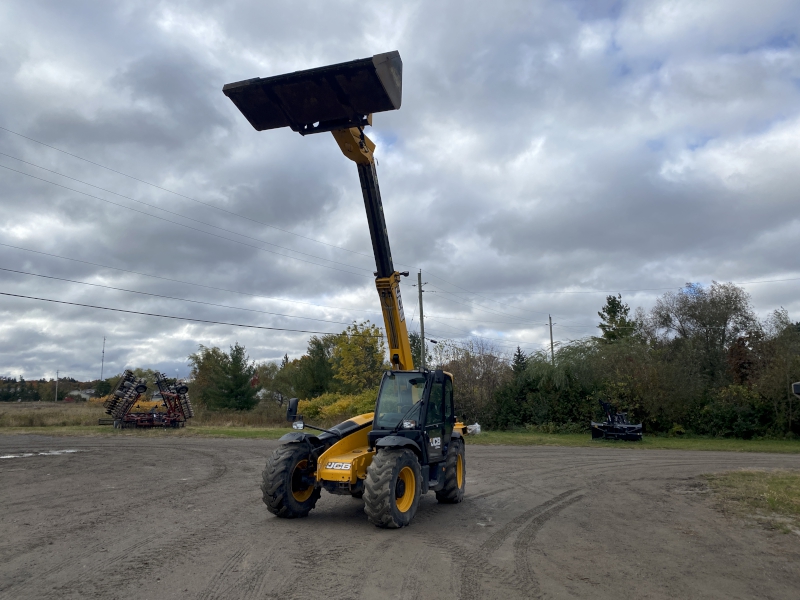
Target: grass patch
268, 422
53, 418
49, 414
771, 497
266, 433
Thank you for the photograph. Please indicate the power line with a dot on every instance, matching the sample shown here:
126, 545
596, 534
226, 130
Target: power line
472, 305
470, 334
433, 274
185, 196
172, 212
486, 298
444, 336
220, 209
210, 287
183, 224
136, 312
519, 322
108, 287
660, 289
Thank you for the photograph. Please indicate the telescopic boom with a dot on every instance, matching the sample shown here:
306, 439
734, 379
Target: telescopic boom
341, 99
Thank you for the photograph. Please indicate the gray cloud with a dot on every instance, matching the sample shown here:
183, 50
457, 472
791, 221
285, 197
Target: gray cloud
541, 147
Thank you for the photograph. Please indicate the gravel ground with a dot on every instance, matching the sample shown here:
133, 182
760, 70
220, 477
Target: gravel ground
160, 517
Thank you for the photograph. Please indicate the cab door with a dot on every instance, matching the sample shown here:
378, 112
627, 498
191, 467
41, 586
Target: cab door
434, 431
449, 410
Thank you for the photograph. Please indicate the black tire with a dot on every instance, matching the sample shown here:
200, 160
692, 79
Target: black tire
282, 498
388, 482
455, 478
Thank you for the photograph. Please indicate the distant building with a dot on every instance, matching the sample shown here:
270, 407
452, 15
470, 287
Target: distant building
80, 395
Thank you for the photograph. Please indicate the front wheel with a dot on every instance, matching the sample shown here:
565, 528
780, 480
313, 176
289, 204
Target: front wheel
455, 472
392, 488
283, 490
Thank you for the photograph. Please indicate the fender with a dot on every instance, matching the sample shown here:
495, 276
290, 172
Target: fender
397, 441
299, 436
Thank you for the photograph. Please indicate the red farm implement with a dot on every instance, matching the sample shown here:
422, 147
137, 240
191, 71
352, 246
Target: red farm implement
122, 404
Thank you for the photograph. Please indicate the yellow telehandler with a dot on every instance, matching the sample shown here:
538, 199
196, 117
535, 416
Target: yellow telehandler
412, 443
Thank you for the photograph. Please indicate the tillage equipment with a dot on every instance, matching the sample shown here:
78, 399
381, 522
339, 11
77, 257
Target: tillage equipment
412, 443
616, 426
121, 404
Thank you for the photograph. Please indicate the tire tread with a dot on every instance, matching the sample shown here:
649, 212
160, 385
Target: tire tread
276, 483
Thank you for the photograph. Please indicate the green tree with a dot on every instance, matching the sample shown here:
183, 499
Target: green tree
415, 340
103, 387
266, 375
359, 357
615, 323
223, 381
314, 373
701, 323
519, 362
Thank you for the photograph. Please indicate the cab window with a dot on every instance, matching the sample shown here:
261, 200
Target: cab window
435, 405
448, 400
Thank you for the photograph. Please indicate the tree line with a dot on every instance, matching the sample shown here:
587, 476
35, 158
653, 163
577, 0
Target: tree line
699, 361
14, 389
346, 363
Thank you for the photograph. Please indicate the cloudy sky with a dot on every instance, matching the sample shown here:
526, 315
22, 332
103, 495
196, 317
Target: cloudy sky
545, 152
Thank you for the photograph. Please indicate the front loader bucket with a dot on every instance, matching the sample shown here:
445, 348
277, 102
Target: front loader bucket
322, 99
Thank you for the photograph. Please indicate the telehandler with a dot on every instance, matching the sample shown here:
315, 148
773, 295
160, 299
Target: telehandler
412, 443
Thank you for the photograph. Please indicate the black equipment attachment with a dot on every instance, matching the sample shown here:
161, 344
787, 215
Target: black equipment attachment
616, 426
323, 99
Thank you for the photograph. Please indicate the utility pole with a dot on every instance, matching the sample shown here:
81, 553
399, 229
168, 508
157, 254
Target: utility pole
552, 354
103, 359
56, 400
421, 322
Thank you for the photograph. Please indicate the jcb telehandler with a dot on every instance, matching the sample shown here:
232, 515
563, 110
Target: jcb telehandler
412, 443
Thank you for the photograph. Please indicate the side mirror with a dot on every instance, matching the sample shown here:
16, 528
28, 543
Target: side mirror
796, 389
298, 425
291, 410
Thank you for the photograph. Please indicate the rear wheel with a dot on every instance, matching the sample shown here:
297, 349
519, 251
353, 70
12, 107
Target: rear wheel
283, 490
455, 471
392, 488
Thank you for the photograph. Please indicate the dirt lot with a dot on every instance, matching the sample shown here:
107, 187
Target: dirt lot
182, 518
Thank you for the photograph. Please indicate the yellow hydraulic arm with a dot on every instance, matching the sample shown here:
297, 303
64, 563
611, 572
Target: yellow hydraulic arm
360, 149
341, 98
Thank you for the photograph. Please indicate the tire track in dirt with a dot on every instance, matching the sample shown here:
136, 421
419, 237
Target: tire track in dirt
410, 588
473, 566
470, 565
70, 564
67, 563
486, 494
218, 470
128, 569
320, 562
496, 540
216, 585
522, 566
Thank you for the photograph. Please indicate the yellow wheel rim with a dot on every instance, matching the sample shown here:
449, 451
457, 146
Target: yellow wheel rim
407, 484
298, 492
460, 471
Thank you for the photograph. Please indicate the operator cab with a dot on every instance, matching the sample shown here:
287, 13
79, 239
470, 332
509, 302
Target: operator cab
417, 405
